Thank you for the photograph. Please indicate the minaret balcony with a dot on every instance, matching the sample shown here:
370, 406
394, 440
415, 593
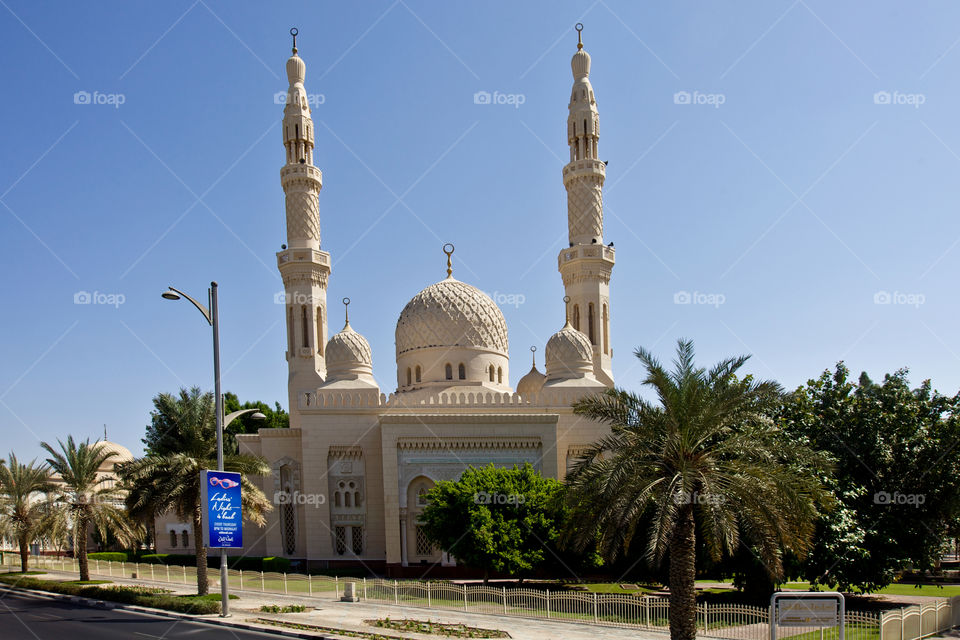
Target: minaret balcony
587, 166
293, 173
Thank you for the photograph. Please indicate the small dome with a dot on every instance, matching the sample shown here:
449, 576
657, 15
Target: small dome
580, 64
451, 313
348, 355
568, 354
296, 69
120, 453
532, 382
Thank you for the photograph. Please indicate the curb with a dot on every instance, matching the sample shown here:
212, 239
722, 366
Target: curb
107, 605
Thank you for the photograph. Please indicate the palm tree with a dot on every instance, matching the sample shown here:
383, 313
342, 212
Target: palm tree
23, 509
87, 496
705, 457
181, 442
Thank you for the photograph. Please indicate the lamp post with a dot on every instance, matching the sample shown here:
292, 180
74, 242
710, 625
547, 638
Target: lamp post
212, 317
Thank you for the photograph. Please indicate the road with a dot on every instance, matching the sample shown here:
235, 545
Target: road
25, 616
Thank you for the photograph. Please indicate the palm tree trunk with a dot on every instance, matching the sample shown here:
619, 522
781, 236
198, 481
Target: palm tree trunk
683, 597
203, 587
80, 541
24, 553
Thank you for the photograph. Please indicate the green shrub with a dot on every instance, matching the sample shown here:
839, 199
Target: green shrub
109, 556
275, 564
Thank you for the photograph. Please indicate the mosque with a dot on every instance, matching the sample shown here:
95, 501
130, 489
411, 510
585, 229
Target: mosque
349, 476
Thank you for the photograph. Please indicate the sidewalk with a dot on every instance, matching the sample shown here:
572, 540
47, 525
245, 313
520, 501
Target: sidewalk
350, 616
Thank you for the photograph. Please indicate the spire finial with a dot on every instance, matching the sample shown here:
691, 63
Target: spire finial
346, 312
104, 433
449, 253
533, 353
566, 309
579, 29
294, 31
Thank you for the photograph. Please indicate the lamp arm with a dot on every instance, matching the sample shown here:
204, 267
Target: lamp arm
200, 307
236, 414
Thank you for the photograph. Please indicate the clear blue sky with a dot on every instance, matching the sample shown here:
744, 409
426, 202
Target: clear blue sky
794, 202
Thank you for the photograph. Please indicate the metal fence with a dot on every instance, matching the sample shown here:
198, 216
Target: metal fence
731, 622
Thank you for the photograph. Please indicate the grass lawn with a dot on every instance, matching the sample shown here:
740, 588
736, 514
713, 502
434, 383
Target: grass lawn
929, 590
850, 633
82, 582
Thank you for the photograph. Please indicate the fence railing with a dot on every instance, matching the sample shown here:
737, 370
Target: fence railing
731, 622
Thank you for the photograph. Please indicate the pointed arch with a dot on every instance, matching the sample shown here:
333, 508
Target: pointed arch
461, 372
590, 332
606, 330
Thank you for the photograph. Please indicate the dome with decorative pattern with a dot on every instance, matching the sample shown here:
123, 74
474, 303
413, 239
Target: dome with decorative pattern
348, 354
568, 354
451, 313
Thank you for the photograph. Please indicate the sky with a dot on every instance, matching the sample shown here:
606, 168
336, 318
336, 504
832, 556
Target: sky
782, 182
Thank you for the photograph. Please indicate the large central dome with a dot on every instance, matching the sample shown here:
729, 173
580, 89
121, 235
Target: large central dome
451, 313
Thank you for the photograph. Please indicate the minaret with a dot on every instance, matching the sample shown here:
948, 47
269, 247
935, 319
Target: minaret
303, 266
587, 264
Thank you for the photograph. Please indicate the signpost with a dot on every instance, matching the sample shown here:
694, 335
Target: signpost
823, 609
223, 518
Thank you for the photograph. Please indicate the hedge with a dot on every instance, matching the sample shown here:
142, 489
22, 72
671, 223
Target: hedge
109, 556
243, 563
275, 564
195, 605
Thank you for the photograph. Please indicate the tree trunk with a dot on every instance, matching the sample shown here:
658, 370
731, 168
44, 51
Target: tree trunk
203, 586
24, 553
80, 542
683, 596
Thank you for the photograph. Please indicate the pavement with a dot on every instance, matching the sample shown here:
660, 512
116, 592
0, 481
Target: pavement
330, 613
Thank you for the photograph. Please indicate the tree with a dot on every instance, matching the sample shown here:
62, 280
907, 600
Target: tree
86, 497
705, 457
275, 418
180, 443
23, 508
897, 478
504, 520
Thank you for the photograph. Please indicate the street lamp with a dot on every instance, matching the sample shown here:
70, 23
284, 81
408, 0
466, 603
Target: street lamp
212, 317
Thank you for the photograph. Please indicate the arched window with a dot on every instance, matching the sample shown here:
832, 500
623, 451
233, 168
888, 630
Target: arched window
576, 317
336, 498
347, 499
422, 497
290, 333
449, 371
590, 334
173, 538
305, 326
320, 340
491, 373
185, 538
409, 377
500, 375
356, 498
462, 372
418, 373
606, 330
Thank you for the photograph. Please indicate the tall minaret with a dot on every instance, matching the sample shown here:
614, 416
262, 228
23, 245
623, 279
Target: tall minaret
587, 264
303, 266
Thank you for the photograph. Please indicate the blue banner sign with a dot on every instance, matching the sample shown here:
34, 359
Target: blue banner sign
222, 514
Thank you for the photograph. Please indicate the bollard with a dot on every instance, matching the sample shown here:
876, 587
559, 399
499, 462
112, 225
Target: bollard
350, 592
